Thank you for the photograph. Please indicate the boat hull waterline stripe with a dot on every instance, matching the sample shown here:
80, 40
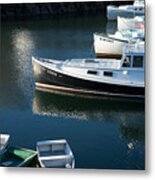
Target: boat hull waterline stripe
41, 86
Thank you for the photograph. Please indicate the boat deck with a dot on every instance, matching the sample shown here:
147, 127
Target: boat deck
93, 63
82, 63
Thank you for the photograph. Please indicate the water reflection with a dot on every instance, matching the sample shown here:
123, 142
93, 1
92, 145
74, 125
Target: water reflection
128, 115
23, 46
86, 108
16, 80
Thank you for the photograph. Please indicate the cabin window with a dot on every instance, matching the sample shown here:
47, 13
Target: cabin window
92, 72
107, 73
127, 61
138, 61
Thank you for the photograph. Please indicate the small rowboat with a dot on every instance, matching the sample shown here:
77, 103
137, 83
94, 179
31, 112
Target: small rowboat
17, 157
55, 154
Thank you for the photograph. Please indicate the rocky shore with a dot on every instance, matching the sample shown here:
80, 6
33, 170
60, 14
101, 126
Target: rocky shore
39, 10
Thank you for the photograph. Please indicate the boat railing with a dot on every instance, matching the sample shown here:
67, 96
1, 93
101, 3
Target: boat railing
42, 59
94, 63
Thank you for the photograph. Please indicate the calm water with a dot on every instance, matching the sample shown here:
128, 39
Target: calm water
103, 133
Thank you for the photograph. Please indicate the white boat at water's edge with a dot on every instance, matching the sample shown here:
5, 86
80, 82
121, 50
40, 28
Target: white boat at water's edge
55, 154
105, 46
113, 44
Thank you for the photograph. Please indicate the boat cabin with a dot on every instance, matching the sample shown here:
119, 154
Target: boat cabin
133, 58
133, 61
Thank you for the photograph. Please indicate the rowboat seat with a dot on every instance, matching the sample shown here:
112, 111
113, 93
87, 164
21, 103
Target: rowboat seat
52, 153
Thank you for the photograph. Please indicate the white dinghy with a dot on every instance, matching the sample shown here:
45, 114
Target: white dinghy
4, 141
55, 154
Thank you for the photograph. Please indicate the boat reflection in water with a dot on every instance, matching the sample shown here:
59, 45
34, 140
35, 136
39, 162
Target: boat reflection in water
129, 115
68, 105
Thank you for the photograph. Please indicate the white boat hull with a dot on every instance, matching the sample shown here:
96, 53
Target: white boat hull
108, 47
76, 76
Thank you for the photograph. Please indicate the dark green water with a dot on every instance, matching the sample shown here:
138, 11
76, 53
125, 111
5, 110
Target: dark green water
103, 133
